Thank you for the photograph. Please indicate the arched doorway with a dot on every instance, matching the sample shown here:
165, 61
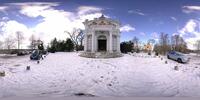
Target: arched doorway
102, 43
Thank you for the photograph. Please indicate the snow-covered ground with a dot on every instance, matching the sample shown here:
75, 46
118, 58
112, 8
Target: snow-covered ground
66, 74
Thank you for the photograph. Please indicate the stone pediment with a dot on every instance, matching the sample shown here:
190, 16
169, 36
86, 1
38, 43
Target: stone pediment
101, 21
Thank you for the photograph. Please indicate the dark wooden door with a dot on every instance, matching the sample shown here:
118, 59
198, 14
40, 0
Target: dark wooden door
102, 45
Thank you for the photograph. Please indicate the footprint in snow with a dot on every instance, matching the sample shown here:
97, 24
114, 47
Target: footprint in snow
109, 84
107, 78
95, 81
115, 78
81, 74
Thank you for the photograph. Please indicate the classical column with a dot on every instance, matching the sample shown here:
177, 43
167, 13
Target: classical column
86, 43
93, 41
118, 43
111, 49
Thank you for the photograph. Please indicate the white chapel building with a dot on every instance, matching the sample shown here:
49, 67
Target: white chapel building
102, 38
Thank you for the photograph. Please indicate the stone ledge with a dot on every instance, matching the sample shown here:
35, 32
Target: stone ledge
101, 55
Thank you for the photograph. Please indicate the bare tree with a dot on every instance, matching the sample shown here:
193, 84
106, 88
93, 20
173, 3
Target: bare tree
76, 36
81, 37
178, 44
135, 41
20, 38
9, 42
164, 43
32, 40
152, 43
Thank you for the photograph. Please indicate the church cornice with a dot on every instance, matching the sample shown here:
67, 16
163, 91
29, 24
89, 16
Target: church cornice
101, 21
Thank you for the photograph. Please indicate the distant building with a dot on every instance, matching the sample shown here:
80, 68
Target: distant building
148, 47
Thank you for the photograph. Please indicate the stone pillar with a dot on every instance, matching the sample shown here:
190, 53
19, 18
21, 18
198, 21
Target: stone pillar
107, 43
86, 43
93, 41
111, 49
118, 43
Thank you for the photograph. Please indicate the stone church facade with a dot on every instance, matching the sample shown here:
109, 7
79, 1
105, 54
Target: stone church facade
102, 37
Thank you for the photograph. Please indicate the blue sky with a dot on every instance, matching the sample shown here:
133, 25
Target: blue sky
142, 18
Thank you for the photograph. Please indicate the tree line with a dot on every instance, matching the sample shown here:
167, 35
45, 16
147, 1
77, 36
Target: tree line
167, 43
74, 42
11, 41
134, 45
64, 45
164, 44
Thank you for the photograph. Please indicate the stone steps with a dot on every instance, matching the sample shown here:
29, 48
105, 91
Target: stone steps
101, 55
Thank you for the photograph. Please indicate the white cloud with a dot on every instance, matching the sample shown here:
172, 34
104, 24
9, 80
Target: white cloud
175, 34
190, 27
10, 27
173, 18
191, 32
138, 12
54, 22
78, 21
42, 9
82, 10
190, 9
127, 28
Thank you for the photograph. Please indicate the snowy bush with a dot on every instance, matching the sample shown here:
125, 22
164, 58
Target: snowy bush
28, 68
2, 73
175, 67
